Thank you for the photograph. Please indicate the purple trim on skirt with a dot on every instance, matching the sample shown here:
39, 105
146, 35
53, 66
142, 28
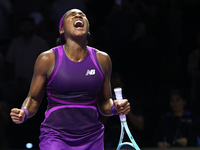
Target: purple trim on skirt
69, 103
47, 113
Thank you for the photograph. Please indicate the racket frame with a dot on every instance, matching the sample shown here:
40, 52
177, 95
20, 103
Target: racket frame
124, 126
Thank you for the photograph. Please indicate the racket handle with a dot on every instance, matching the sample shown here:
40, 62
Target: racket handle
119, 98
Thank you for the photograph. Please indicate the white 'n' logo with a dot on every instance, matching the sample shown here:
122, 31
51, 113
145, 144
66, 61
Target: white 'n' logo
90, 72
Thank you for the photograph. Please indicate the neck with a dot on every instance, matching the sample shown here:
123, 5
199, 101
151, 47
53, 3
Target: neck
77, 40
75, 52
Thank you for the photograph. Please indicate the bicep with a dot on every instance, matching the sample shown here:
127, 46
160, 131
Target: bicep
41, 69
106, 66
37, 86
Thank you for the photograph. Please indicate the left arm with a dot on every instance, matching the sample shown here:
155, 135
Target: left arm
105, 94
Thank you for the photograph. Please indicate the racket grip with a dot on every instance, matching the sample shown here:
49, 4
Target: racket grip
119, 98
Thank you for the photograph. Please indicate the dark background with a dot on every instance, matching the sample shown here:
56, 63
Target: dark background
150, 65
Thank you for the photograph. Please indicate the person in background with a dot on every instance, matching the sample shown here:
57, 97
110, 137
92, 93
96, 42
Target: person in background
4, 114
23, 50
20, 59
178, 127
76, 78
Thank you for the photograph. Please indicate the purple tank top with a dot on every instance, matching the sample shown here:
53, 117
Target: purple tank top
74, 82
72, 90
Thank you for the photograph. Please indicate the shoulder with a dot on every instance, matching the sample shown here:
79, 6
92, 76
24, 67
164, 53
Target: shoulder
104, 60
45, 60
102, 54
103, 57
46, 56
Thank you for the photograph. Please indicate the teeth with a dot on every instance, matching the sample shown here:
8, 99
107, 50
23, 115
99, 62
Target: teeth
78, 21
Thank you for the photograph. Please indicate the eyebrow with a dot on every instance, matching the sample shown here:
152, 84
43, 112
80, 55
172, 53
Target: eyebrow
74, 12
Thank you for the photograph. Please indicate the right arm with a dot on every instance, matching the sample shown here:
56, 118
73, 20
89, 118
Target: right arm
43, 68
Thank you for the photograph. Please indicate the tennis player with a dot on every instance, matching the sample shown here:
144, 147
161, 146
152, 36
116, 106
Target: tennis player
76, 78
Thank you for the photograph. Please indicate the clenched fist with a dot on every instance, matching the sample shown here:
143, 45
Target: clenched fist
17, 115
122, 108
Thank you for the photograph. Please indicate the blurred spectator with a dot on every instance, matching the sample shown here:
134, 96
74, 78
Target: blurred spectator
134, 118
44, 27
5, 24
179, 127
144, 52
2, 75
175, 23
5, 118
174, 71
20, 58
120, 22
193, 69
23, 51
190, 22
23, 8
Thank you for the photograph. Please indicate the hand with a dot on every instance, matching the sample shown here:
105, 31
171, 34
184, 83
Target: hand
182, 141
163, 144
122, 108
17, 115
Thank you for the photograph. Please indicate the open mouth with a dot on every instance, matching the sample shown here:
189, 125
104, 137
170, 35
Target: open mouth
78, 23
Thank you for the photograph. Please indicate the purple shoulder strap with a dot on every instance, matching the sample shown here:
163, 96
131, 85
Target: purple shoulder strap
58, 51
92, 54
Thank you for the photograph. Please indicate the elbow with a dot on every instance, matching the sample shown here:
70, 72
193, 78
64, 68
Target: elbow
105, 113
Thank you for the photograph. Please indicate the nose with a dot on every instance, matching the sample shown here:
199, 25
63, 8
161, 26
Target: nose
78, 16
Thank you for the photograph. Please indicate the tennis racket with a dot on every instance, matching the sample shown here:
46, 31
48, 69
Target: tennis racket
124, 128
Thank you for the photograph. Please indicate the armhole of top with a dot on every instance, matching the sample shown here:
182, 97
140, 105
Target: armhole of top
58, 51
93, 56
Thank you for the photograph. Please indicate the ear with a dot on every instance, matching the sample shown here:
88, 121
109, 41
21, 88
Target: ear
61, 31
88, 32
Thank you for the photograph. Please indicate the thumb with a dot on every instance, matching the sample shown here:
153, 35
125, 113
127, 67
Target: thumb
116, 104
22, 114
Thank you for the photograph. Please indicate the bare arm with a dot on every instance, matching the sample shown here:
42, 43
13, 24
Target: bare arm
43, 68
105, 94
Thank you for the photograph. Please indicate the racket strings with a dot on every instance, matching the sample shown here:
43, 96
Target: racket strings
126, 147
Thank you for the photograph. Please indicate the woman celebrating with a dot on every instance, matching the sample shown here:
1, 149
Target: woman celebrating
76, 78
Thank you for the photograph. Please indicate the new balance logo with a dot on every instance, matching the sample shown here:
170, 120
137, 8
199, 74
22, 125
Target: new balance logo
90, 72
